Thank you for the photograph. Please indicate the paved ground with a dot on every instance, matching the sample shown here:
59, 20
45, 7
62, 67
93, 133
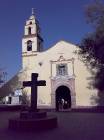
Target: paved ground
72, 126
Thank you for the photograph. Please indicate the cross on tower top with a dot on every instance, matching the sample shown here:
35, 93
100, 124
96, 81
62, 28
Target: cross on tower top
33, 11
34, 83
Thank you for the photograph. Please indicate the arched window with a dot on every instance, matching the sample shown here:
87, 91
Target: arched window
29, 45
30, 22
29, 31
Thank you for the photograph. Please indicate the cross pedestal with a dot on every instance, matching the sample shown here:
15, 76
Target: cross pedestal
33, 120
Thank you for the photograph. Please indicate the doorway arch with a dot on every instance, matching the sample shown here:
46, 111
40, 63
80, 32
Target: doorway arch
63, 98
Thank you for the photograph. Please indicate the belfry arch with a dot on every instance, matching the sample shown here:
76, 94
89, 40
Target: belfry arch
29, 30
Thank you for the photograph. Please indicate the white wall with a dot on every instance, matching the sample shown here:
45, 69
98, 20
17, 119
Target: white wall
83, 94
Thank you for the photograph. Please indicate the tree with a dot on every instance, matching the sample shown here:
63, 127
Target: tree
25, 98
92, 46
3, 76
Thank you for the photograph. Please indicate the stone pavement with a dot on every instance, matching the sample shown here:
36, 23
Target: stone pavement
72, 126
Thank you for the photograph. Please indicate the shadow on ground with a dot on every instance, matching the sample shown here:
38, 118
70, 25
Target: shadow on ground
71, 125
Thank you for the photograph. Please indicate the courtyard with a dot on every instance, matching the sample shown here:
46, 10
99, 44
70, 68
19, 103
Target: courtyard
71, 126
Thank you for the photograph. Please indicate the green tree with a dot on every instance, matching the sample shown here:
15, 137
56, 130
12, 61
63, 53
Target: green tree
92, 46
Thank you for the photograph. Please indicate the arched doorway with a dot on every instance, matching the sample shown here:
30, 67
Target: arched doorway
63, 98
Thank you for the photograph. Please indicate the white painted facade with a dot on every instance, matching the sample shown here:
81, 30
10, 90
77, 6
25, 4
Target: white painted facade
46, 63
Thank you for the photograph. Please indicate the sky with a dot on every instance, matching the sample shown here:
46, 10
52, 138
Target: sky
59, 20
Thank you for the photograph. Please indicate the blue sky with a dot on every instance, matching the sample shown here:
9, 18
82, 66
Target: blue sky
59, 20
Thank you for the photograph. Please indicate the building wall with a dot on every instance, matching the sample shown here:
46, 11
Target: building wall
45, 62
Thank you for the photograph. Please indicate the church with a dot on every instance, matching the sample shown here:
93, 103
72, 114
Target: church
67, 77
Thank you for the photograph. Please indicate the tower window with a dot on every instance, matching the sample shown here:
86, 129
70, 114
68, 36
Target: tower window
62, 69
29, 31
30, 22
29, 45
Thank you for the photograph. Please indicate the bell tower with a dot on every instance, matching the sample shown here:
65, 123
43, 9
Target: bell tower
31, 41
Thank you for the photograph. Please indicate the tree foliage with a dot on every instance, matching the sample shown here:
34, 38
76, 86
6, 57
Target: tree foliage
92, 46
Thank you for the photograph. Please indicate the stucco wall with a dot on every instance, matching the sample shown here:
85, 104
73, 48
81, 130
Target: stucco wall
40, 63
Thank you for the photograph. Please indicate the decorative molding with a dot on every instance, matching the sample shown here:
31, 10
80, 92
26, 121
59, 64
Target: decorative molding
24, 52
61, 59
27, 55
29, 36
63, 82
66, 77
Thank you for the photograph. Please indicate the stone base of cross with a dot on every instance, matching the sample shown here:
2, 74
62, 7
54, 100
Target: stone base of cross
34, 83
33, 120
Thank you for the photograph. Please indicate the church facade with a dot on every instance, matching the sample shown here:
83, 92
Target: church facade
67, 77
65, 74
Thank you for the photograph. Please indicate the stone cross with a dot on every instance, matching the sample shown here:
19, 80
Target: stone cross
34, 83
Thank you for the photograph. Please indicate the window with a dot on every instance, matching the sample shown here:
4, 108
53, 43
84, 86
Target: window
62, 69
29, 31
30, 22
29, 45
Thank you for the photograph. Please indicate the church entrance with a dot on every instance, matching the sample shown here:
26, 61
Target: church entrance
63, 98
